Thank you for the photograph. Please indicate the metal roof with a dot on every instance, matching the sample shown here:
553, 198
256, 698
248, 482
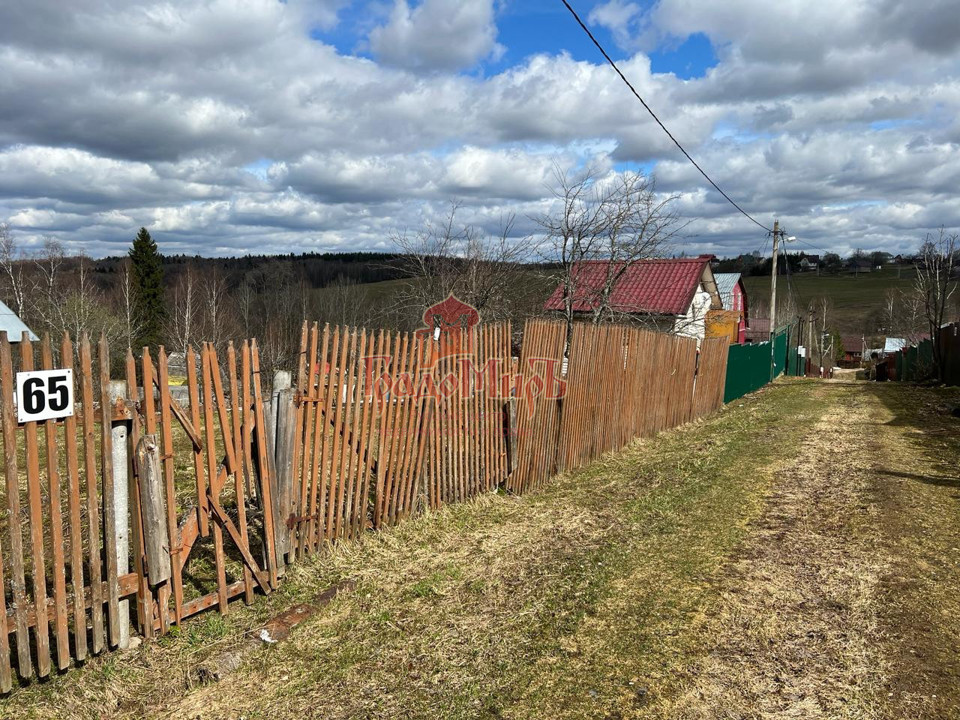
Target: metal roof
649, 286
892, 344
726, 282
12, 325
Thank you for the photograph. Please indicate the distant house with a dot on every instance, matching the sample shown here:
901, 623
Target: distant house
852, 349
733, 295
809, 262
758, 330
674, 295
13, 326
859, 265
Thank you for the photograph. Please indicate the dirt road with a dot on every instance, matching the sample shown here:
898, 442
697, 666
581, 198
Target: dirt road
795, 556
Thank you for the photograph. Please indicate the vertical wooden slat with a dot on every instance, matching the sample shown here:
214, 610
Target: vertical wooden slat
318, 434
93, 497
210, 440
338, 436
61, 629
301, 443
203, 511
73, 507
386, 401
346, 399
358, 511
176, 541
263, 463
109, 500
41, 628
145, 597
12, 484
325, 469
238, 485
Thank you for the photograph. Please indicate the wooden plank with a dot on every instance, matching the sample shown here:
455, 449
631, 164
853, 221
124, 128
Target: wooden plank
61, 628
12, 484
317, 433
356, 400
303, 446
214, 486
366, 430
346, 400
198, 448
337, 436
73, 508
42, 634
109, 499
224, 520
263, 463
127, 584
166, 438
329, 439
154, 511
237, 424
144, 594
93, 497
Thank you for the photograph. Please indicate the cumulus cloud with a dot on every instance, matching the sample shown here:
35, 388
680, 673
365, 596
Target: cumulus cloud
437, 35
228, 126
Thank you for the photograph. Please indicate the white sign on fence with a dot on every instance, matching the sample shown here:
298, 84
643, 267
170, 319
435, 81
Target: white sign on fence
44, 395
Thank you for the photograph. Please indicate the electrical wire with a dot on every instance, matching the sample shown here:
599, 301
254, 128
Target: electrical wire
659, 122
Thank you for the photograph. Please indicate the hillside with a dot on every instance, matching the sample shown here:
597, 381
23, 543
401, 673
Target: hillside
857, 301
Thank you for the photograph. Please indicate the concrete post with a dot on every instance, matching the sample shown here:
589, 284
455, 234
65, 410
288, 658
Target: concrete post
122, 478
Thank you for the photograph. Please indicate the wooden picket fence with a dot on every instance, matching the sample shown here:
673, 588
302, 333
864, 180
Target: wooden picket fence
621, 382
181, 502
225, 488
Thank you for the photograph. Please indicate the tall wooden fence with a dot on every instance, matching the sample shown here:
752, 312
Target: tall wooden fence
620, 383
148, 506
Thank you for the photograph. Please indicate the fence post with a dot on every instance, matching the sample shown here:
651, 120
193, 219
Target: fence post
283, 421
122, 479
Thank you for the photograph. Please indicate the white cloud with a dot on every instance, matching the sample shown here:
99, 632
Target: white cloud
437, 35
842, 118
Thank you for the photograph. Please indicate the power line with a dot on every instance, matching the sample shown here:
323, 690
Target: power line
659, 122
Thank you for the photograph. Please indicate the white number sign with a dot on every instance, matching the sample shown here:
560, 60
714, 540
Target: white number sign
44, 395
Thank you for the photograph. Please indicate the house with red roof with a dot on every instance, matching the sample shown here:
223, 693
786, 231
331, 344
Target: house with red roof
671, 294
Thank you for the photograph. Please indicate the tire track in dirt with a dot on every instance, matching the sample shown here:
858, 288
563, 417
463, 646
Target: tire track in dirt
796, 631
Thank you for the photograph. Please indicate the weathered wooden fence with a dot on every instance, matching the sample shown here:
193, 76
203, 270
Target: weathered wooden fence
620, 383
144, 510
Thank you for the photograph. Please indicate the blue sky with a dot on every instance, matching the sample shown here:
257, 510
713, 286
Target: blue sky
230, 126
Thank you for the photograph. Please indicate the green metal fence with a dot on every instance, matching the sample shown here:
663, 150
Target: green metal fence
749, 366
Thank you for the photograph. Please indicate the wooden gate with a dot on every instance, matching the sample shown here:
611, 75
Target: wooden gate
203, 495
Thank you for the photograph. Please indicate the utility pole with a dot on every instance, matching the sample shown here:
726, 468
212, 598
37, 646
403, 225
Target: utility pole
809, 362
773, 295
773, 278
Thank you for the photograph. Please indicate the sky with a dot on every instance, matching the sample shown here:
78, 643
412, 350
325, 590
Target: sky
230, 127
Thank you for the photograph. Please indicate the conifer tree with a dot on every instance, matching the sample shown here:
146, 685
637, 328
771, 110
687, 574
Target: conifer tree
149, 303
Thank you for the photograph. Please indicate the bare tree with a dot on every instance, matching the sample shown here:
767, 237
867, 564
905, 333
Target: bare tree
182, 323
12, 265
481, 269
49, 263
128, 311
620, 219
215, 301
934, 285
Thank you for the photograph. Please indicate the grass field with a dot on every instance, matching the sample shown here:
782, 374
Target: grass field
855, 299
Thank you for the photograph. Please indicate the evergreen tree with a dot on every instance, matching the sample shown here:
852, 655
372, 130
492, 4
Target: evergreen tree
148, 288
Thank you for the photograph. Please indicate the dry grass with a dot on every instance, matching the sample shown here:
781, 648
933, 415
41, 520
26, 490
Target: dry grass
508, 606
747, 566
